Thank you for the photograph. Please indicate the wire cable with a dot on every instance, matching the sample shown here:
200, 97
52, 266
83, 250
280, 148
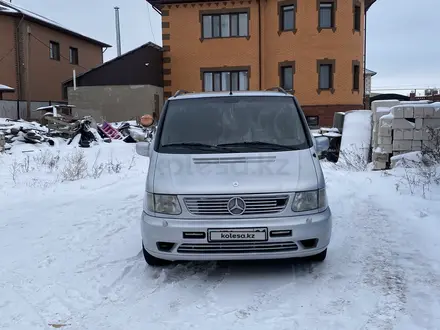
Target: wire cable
7, 54
149, 20
61, 55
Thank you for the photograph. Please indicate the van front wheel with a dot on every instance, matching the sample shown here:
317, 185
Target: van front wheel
153, 261
320, 257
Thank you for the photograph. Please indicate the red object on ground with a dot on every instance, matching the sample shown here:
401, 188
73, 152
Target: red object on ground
110, 131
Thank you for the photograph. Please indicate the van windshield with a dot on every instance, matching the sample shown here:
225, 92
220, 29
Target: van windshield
232, 124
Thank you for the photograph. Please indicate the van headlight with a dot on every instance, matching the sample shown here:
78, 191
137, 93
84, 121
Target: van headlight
165, 204
309, 200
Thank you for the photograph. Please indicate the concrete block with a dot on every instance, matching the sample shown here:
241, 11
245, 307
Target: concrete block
416, 148
418, 134
416, 143
408, 112
431, 122
385, 131
385, 149
425, 135
377, 165
398, 111
381, 157
385, 140
428, 112
419, 112
408, 134
401, 145
402, 124
398, 134
419, 123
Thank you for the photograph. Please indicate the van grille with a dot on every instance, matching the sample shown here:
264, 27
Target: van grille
219, 205
246, 247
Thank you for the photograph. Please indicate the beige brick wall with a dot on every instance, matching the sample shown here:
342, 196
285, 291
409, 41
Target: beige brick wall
185, 53
188, 54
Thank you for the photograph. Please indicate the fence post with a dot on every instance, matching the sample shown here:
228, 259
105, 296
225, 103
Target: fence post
18, 108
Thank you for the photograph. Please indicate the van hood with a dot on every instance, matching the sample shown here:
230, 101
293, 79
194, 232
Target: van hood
195, 174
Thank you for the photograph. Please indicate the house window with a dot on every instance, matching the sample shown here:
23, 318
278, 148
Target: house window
326, 70
287, 78
286, 73
225, 25
216, 81
73, 56
326, 15
357, 18
356, 75
54, 50
288, 18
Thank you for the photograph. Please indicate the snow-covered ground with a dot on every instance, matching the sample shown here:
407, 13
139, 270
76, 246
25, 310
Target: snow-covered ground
70, 256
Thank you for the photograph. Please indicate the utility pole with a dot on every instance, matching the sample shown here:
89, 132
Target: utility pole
118, 31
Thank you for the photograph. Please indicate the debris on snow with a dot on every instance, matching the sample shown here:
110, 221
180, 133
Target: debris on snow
56, 122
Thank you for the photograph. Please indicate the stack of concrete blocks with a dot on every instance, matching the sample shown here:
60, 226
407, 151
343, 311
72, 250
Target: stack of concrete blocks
380, 109
403, 130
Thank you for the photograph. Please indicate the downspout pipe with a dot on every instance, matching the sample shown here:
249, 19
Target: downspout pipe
365, 60
260, 84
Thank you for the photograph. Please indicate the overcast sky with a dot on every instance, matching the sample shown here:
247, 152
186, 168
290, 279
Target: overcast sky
402, 40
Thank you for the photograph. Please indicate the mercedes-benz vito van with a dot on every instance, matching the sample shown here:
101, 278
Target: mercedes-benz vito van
233, 175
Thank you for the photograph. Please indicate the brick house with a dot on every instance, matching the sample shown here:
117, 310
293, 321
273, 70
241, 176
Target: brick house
47, 51
313, 48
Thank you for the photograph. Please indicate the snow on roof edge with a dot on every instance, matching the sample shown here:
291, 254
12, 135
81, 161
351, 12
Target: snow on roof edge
4, 88
13, 9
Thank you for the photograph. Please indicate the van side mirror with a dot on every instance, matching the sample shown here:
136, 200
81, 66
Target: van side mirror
143, 148
322, 144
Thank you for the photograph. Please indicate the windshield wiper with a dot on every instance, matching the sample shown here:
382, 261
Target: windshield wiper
198, 146
259, 144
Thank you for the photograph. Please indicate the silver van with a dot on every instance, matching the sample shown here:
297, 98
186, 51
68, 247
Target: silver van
233, 175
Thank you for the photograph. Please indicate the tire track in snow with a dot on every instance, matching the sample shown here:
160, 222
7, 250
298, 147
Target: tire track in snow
381, 269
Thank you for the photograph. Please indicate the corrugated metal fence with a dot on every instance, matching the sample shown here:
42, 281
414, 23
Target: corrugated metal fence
17, 109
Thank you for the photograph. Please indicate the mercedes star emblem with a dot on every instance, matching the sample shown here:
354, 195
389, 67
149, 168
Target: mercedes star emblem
236, 206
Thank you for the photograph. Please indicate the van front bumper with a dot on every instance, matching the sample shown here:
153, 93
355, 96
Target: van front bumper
287, 237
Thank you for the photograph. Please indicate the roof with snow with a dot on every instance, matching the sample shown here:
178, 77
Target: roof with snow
7, 8
5, 89
370, 72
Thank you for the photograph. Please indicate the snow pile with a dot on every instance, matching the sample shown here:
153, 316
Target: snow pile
356, 138
404, 159
44, 166
71, 259
7, 124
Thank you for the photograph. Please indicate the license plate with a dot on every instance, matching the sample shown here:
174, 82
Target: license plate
247, 234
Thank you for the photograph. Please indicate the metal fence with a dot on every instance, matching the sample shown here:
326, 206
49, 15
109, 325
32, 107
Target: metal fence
17, 109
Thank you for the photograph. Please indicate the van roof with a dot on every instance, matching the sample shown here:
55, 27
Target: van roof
186, 95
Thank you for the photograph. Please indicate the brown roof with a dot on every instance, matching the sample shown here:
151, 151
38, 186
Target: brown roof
158, 3
10, 9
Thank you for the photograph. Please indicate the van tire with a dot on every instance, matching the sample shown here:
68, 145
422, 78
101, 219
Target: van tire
153, 261
320, 257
